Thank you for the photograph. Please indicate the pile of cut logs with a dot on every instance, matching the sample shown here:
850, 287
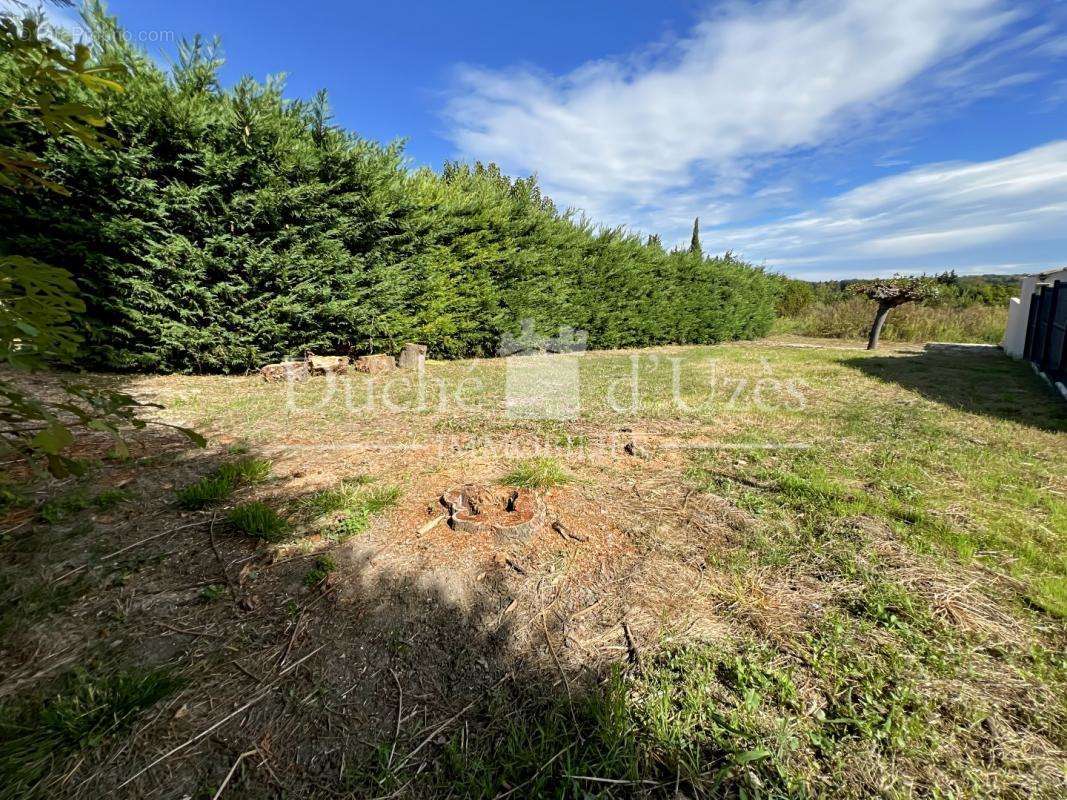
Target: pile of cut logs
412, 356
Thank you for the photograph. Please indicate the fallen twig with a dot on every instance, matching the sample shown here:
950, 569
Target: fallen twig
559, 666
399, 716
188, 632
445, 724
233, 769
433, 523
567, 533
292, 638
617, 781
631, 645
247, 672
218, 557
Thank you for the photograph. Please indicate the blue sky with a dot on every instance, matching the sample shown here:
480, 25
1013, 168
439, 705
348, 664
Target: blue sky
824, 139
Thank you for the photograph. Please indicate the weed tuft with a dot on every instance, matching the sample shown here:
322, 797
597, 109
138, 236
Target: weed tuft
209, 594
110, 498
205, 492
220, 484
349, 506
377, 500
65, 506
12, 497
38, 737
60, 508
537, 473
259, 520
246, 471
324, 565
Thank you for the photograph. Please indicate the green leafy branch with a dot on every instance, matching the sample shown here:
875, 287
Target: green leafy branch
55, 89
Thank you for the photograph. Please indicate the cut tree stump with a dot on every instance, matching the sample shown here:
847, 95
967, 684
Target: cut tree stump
285, 370
513, 515
412, 356
321, 365
375, 364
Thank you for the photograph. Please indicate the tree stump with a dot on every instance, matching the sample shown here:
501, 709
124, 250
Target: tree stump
412, 356
513, 515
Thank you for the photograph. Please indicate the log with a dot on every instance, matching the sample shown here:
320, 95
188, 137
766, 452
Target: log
321, 365
285, 370
374, 364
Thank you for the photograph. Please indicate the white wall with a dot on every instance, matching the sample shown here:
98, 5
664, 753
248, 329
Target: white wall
1019, 310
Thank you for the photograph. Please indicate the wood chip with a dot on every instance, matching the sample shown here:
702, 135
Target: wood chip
433, 523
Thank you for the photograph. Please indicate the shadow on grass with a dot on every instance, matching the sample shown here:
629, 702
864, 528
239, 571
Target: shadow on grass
977, 380
386, 676
384, 679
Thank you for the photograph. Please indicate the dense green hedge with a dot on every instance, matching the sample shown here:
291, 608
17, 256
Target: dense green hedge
232, 227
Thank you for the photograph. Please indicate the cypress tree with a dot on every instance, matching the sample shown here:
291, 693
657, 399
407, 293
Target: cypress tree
694, 241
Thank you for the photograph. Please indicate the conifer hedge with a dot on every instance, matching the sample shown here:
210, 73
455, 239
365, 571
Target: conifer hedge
233, 227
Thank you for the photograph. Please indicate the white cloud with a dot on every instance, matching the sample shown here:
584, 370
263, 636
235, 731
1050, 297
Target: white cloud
946, 215
637, 141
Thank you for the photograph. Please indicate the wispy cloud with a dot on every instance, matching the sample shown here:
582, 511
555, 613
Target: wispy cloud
752, 94
937, 216
622, 138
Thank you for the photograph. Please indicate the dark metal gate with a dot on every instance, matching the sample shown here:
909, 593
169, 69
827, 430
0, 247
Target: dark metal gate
1046, 330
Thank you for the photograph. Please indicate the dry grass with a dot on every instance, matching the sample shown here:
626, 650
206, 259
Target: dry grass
822, 571
851, 319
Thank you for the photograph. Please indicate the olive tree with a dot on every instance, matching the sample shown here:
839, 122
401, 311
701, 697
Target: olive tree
889, 293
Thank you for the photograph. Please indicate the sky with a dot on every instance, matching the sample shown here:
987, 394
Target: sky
821, 138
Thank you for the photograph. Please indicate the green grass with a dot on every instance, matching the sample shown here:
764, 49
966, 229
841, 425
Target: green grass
378, 500
207, 491
886, 599
915, 468
324, 566
12, 496
60, 508
67, 505
735, 719
39, 737
111, 498
347, 508
38, 601
245, 471
345, 496
223, 482
258, 520
537, 473
209, 594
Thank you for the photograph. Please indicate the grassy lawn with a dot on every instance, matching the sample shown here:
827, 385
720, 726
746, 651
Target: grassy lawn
786, 568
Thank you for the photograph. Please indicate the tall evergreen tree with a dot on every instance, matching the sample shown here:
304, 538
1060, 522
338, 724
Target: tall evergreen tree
235, 227
694, 241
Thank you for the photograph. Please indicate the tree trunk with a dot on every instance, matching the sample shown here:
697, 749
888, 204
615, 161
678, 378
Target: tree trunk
876, 328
